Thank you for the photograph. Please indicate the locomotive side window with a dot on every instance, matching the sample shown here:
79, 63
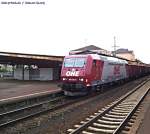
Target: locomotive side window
94, 63
75, 62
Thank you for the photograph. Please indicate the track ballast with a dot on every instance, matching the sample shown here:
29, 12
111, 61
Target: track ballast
113, 118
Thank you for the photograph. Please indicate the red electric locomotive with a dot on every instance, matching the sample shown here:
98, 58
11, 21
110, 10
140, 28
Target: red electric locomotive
81, 73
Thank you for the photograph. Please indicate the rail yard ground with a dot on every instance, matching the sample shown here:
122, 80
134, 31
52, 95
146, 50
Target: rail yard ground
144, 126
59, 121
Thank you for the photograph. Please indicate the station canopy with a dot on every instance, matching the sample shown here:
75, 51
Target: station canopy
30, 59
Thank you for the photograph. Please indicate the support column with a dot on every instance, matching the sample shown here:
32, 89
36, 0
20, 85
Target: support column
22, 72
29, 72
13, 70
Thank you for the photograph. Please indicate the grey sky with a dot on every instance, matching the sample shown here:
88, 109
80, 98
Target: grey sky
63, 25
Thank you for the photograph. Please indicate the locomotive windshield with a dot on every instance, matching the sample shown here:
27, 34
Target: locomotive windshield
74, 62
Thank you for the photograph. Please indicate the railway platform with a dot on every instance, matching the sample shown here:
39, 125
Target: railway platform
12, 90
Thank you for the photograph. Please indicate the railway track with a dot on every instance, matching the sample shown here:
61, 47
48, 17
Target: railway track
18, 114
10, 116
113, 118
36, 106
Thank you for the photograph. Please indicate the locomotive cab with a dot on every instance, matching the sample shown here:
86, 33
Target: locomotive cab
74, 75
78, 73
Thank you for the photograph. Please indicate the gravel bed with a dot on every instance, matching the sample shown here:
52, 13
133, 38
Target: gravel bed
59, 121
141, 124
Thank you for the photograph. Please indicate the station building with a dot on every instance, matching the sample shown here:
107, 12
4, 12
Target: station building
91, 48
32, 66
47, 67
125, 53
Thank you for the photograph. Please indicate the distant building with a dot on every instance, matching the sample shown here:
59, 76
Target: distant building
125, 53
31, 66
90, 48
122, 53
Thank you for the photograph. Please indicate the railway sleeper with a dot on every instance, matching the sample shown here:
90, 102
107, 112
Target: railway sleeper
122, 108
138, 111
117, 113
96, 113
109, 122
133, 117
126, 128
103, 109
129, 124
124, 132
71, 130
129, 100
100, 111
106, 107
85, 132
105, 126
111, 119
100, 130
92, 116
83, 122
77, 126
125, 107
135, 114
109, 105
128, 103
88, 119
115, 116
131, 121
120, 111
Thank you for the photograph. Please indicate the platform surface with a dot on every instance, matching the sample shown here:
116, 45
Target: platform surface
10, 89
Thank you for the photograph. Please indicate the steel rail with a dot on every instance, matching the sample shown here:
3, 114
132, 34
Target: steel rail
31, 106
130, 114
92, 119
20, 102
52, 105
37, 112
35, 107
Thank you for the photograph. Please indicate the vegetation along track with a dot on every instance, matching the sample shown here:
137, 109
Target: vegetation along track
113, 118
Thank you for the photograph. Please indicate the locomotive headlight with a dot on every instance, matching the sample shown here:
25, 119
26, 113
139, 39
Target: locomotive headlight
81, 79
88, 85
